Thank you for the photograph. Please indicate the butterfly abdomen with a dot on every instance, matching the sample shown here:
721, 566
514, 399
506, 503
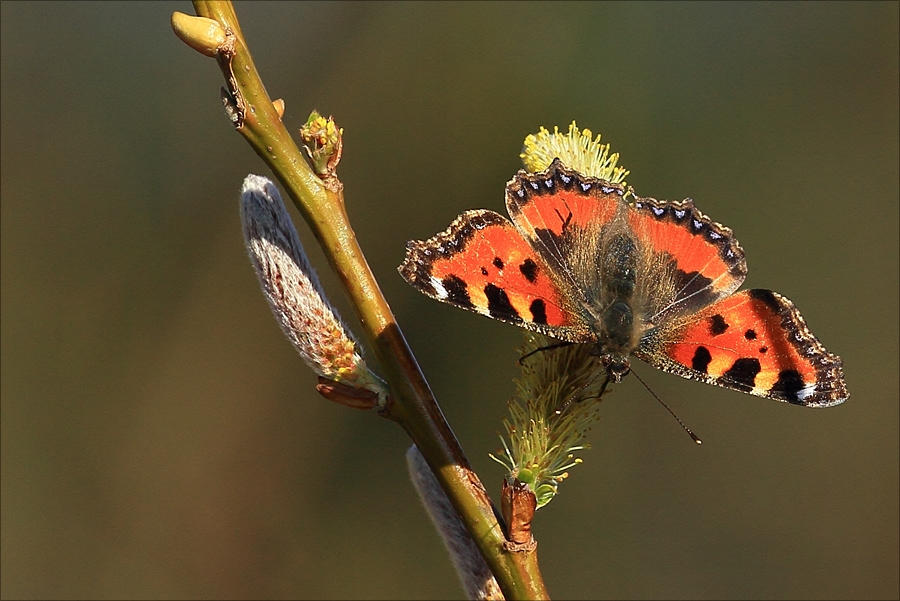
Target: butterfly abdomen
617, 267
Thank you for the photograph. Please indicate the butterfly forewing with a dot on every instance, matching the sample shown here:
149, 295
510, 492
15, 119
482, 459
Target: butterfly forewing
561, 213
693, 261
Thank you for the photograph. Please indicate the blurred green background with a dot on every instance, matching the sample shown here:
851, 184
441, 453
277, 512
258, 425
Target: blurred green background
161, 439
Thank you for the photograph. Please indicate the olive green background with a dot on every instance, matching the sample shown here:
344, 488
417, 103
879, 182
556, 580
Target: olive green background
161, 439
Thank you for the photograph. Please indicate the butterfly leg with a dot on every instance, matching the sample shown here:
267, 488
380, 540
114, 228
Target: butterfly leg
549, 347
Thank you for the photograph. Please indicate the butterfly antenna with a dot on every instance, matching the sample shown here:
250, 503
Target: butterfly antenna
575, 394
693, 436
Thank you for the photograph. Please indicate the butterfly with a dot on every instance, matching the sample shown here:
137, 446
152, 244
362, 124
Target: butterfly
583, 261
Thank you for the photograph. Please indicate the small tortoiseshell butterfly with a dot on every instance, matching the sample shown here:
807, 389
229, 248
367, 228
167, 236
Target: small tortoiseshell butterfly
584, 262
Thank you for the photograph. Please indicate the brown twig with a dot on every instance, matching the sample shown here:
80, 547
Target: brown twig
414, 408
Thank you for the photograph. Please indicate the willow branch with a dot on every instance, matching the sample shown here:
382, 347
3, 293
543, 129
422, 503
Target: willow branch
413, 406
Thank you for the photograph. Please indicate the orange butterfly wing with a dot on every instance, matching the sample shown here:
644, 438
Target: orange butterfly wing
754, 341
699, 260
482, 263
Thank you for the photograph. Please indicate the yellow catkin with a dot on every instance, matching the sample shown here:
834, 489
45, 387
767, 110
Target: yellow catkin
577, 149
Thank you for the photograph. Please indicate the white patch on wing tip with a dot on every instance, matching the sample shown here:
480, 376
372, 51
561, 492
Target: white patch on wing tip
806, 392
439, 289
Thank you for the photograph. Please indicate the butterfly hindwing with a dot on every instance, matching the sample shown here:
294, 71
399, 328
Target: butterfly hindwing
482, 263
754, 341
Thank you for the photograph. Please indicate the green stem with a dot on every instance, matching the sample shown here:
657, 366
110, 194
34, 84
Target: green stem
413, 406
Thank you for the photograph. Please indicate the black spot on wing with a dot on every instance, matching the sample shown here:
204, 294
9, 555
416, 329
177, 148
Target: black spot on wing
693, 291
742, 374
529, 270
701, 359
717, 325
789, 384
766, 296
538, 311
498, 304
498, 262
750, 334
457, 291
484, 271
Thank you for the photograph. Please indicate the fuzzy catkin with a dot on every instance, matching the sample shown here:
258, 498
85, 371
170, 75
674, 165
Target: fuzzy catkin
476, 577
292, 288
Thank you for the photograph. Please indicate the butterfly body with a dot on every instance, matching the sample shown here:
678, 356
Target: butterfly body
585, 262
